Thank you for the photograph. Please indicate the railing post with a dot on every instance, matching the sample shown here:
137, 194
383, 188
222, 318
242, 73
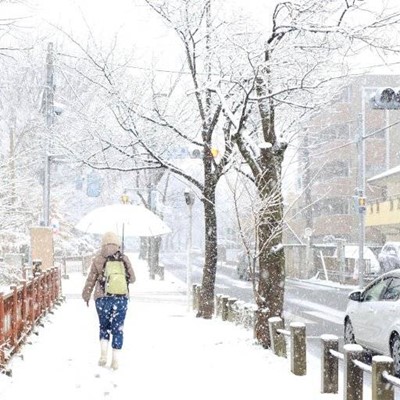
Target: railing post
381, 390
47, 289
298, 348
14, 315
353, 376
39, 294
2, 333
224, 308
24, 300
53, 280
278, 342
25, 272
329, 364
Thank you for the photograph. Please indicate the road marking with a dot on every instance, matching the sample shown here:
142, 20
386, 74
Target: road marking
320, 311
290, 317
321, 315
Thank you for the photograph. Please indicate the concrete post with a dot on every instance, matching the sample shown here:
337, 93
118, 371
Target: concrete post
231, 302
353, 376
298, 348
329, 364
224, 308
381, 390
195, 304
278, 343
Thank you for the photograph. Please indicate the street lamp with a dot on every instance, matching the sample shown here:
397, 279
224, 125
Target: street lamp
189, 199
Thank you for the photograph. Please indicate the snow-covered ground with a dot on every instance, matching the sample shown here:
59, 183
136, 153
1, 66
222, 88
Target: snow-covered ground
168, 354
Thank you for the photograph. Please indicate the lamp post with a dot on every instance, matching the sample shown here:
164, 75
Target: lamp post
189, 198
49, 115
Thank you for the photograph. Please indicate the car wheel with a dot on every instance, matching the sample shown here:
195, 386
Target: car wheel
395, 352
349, 337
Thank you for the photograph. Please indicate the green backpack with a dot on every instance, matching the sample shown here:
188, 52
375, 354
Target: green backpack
115, 279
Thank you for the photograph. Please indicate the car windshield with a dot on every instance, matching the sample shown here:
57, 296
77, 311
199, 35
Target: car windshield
375, 291
392, 292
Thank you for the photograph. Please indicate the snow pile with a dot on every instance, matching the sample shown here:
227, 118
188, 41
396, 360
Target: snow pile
167, 354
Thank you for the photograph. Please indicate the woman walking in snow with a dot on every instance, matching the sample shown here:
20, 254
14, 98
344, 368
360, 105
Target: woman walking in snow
111, 294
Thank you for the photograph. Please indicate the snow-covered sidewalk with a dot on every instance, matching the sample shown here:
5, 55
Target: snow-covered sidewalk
168, 354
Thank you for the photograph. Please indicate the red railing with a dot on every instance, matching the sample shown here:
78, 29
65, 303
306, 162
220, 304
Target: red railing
22, 307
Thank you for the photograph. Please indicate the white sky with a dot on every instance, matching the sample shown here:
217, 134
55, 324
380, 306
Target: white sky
141, 32
139, 29
163, 341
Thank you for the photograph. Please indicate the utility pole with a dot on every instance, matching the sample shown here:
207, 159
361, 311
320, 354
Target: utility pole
361, 192
48, 109
189, 199
308, 212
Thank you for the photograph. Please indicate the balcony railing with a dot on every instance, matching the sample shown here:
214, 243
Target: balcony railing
383, 211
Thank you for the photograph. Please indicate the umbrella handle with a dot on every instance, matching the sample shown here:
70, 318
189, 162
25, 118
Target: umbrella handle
123, 238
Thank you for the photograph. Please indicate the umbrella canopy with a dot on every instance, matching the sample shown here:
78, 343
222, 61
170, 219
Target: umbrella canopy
123, 219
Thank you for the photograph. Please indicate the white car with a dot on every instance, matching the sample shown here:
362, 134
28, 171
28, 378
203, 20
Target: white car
373, 317
389, 256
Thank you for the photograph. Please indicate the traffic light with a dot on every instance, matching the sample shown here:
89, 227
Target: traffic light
386, 99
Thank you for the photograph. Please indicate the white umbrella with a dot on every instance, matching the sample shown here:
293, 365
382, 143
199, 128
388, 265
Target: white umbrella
123, 219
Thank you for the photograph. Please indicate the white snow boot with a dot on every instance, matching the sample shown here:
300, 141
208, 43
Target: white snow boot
115, 356
103, 352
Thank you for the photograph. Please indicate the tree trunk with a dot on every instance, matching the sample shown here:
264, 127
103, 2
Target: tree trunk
271, 283
270, 287
206, 307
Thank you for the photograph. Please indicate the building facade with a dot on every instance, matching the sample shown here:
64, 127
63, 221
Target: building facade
328, 173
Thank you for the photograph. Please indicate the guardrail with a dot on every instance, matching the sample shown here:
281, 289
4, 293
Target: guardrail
83, 262
22, 308
298, 346
382, 368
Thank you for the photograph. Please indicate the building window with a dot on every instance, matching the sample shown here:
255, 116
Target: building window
332, 206
335, 169
334, 132
345, 95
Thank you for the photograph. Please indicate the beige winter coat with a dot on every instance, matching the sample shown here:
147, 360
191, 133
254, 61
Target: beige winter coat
93, 280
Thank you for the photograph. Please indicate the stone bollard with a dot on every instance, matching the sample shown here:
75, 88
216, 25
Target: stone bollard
381, 390
238, 314
218, 304
278, 342
195, 304
298, 346
329, 364
224, 308
353, 376
231, 303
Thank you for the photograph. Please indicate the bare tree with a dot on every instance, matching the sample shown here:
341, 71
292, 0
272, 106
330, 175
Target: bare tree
250, 90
